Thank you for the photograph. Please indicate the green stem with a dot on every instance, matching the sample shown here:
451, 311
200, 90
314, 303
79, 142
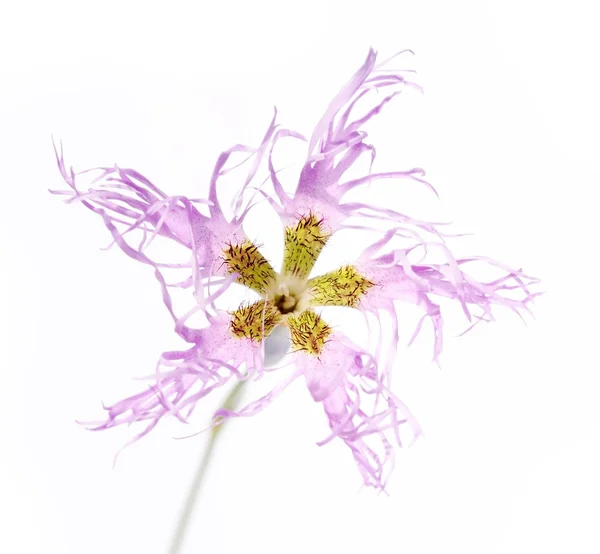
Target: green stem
196, 485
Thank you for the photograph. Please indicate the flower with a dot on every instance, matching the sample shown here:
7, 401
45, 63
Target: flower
349, 381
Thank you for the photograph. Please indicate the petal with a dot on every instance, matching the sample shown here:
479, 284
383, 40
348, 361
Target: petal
183, 378
137, 213
396, 278
342, 98
336, 144
359, 405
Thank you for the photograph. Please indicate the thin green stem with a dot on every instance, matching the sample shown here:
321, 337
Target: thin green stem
196, 485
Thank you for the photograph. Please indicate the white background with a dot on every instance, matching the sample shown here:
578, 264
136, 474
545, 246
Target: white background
508, 131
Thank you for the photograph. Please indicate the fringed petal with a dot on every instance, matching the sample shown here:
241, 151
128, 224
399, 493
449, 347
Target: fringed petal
336, 144
361, 409
137, 213
183, 378
396, 278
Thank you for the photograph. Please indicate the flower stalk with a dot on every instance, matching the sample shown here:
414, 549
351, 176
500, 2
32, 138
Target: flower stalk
198, 479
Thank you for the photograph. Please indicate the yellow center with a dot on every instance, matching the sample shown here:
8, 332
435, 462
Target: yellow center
287, 297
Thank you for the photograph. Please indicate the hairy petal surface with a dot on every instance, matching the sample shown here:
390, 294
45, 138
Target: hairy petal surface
255, 321
303, 243
308, 332
344, 286
249, 265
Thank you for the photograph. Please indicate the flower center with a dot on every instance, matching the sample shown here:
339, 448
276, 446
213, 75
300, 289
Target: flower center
285, 304
288, 294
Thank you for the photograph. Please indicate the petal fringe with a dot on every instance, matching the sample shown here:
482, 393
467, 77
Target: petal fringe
361, 409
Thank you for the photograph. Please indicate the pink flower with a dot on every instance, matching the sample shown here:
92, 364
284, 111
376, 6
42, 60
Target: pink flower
349, 381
